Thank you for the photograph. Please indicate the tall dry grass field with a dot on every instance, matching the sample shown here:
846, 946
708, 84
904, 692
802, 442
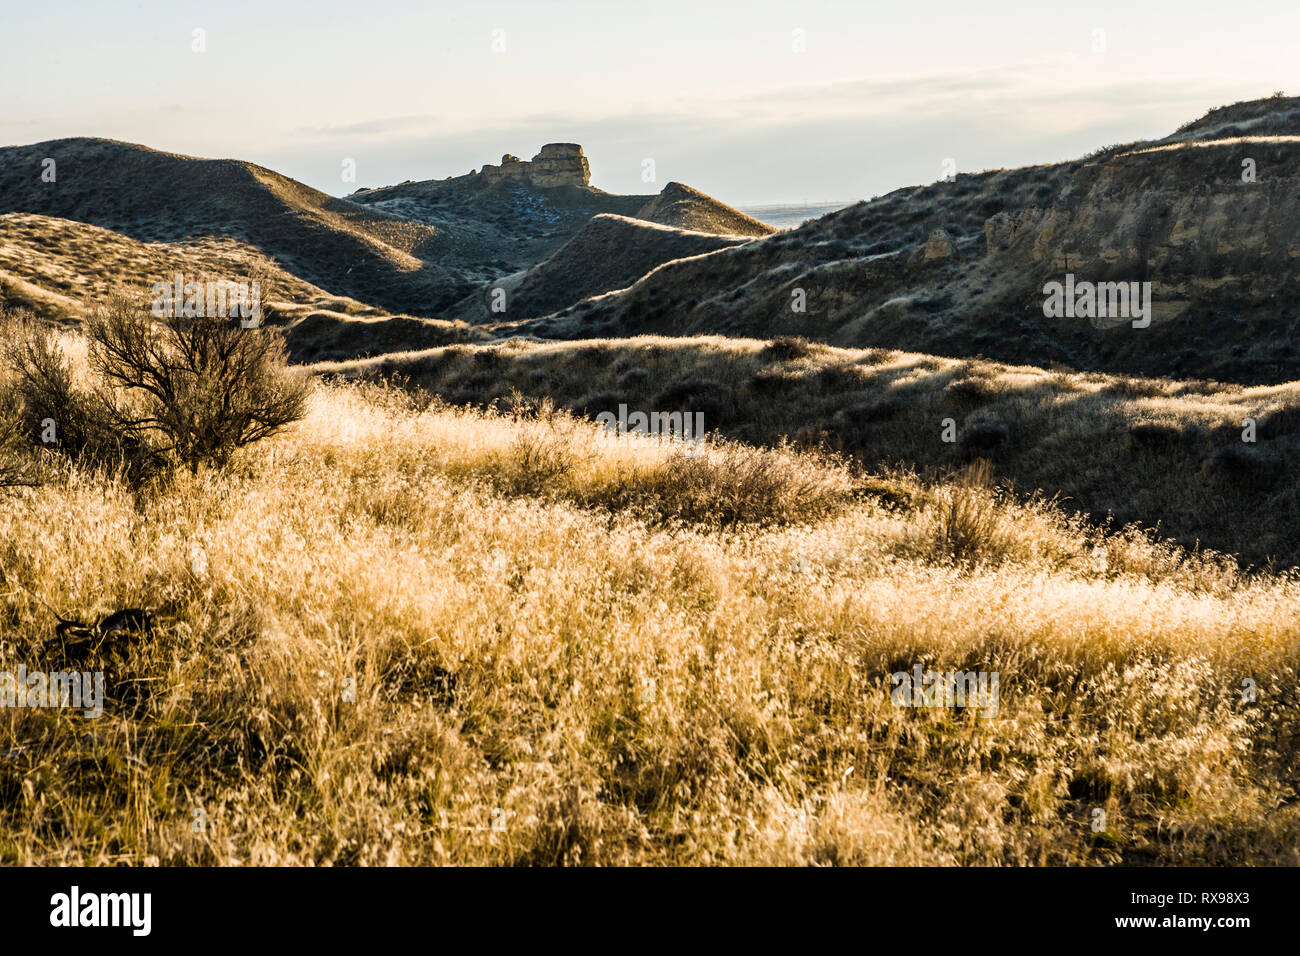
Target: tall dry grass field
407, 634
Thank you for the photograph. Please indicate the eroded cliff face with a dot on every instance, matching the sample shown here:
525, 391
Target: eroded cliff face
1201, 222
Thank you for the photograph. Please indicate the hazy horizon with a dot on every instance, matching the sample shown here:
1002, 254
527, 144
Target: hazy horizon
722, 97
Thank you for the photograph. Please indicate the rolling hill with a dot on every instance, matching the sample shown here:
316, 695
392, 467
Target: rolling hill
610, 252
959, 268
416, 248
153, 196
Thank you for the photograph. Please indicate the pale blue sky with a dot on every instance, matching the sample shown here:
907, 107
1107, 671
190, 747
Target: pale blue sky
712, 90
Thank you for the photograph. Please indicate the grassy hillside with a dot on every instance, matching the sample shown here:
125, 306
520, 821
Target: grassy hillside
153, 196
1276, 115
323, 335
1220, 255
416, 248
419, 635
66, 264
608, 253
446, 618
1164, 453
506, 229
686, 208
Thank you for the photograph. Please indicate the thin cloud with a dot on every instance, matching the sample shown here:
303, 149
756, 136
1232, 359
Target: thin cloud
370, 127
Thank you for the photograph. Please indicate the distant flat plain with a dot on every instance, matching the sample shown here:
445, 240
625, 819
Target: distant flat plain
792, 215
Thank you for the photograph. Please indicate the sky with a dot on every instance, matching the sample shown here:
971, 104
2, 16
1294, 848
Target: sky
753, 101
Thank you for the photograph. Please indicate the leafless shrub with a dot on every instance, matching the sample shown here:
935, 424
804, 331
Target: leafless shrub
49, 408
208, 386
181, 391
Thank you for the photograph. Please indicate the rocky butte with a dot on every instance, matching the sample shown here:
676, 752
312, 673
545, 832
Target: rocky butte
558, 164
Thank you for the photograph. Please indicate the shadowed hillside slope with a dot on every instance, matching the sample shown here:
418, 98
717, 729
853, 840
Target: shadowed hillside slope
324, 335
415, 248
610, 252
959, 268
503, 224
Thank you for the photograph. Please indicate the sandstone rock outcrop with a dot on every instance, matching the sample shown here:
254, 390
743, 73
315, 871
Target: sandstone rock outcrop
940, 246
557, 164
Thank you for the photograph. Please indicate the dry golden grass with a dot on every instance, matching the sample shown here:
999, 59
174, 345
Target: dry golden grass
553, 664
1074, 435
72, 263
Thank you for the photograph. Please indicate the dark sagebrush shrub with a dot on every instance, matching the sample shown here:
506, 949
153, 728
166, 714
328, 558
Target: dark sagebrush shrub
479, 381
771, 381
839, 377
971, 527
1153, 436
1239, 465
786, 348
871, 411
970, 391
820, 435
47, 408
984, 436
591, 357
634, 377
597, 402
197, 389
18, 467
488, 358
624, 363
714, 399
468, 397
